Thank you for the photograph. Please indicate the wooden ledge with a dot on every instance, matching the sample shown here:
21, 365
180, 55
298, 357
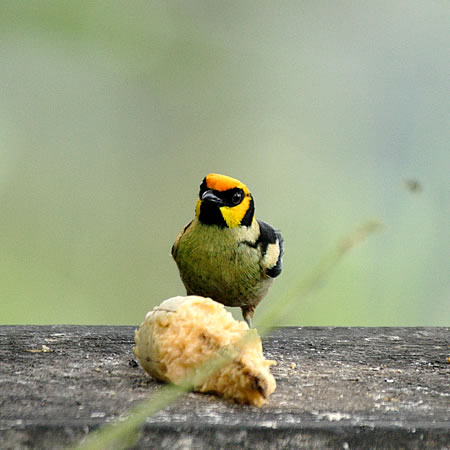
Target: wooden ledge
336, 388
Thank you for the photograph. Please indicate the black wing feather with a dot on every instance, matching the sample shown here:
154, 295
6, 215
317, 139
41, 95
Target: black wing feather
269, 235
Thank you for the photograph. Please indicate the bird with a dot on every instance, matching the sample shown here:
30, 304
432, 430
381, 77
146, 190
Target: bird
225, 253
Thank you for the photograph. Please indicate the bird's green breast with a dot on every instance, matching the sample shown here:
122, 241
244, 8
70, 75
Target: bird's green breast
216, 262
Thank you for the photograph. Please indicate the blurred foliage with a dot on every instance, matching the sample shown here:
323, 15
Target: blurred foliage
112, 114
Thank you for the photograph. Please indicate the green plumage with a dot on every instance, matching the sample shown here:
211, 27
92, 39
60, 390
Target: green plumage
233, 265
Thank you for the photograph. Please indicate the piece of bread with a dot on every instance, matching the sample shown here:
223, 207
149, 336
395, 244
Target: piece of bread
182, 333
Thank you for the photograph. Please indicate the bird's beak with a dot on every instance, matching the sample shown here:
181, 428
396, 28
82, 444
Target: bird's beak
210, 197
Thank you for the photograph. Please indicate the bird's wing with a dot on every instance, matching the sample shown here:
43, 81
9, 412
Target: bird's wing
180, 235
272, 249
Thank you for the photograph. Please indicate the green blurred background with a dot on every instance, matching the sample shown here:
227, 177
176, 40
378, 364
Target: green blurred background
111, 114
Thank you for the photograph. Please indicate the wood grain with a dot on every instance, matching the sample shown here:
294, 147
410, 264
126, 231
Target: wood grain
336, 388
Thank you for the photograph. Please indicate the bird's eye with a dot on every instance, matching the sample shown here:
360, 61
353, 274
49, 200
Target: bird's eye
237, 197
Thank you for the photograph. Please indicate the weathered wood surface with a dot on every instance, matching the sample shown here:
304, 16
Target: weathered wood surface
348, 388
